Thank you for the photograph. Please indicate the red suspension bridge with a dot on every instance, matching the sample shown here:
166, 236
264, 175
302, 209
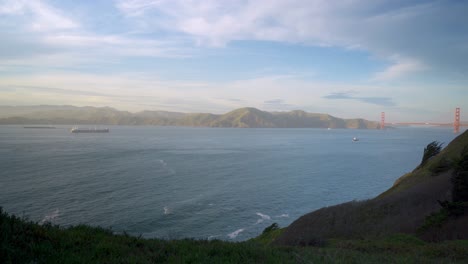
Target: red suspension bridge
456, 123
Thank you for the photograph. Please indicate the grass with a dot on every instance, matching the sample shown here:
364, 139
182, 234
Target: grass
411, 206
22, 241
443, 162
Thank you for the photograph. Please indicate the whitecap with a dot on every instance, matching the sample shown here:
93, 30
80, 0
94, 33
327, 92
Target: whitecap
163, 163
283, 215
49, 218
166, 167
166, 210
235, 233
263, 218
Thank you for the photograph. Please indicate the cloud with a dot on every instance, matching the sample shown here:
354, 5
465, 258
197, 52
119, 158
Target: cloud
274, 101
381, 101
117, 45
132, 90
277, 104
400, 68
17, 88
36, 32
234, 99
424, 34
339, 95
43, 17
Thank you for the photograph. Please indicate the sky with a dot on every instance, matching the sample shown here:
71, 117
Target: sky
347, 58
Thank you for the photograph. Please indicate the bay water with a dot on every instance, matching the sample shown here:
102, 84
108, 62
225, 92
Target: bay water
203, 183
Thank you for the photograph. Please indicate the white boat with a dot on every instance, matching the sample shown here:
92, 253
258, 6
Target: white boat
89, 130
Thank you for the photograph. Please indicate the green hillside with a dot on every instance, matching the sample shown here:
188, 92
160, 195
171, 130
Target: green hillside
431, 202
247, 117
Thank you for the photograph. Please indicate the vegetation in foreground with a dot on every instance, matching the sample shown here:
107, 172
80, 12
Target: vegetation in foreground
22, 241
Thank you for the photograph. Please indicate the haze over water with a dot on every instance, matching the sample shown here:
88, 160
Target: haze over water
204, 183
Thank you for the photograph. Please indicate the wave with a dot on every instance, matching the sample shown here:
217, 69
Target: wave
166, 167
235, 233
283, 215
213, 237
50, 218
263, 217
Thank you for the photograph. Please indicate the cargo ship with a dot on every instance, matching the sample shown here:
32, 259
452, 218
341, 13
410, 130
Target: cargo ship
89, 130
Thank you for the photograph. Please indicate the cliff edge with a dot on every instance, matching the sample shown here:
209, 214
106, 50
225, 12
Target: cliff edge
430, 202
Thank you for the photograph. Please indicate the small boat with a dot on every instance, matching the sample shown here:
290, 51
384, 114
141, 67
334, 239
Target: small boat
89, 130
355, 139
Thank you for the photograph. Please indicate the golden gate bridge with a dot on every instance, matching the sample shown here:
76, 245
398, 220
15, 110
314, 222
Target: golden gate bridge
456, 123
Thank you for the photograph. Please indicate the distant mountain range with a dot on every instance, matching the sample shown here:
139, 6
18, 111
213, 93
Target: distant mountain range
242, 118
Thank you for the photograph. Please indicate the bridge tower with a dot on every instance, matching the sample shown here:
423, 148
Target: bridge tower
382, 120
456, 123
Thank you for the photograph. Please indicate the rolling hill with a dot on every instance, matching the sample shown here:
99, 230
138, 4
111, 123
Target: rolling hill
240, 118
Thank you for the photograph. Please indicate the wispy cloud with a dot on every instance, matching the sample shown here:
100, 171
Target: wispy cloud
176, 28
17, 88
277, 104
43, 17
399, 68
339, 95
381, 28
118, 45
127, 91
44, 32
381, 101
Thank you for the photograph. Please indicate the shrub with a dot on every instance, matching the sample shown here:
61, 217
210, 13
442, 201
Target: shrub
270, 228
430, 151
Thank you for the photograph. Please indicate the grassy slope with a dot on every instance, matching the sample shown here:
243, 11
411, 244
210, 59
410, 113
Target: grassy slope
447, 155
26, 242
402, 209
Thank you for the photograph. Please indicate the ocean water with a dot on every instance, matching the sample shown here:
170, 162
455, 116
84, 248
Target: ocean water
204, 183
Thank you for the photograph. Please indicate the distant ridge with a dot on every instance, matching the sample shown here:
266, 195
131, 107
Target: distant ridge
247, 117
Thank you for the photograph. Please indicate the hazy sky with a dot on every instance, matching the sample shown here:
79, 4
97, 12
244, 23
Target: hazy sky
347, 58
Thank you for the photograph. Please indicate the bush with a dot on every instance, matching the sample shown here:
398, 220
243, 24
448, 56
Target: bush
430, 151
270, 228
